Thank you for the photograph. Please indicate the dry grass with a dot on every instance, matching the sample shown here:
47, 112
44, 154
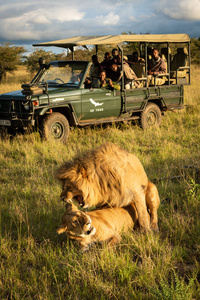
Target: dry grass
14, 80
36, 263
192, 95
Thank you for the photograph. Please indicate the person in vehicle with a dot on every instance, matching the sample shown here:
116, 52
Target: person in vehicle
129, 75
116, 58
115, 73
94, 71
136, 59
95, 67
156, 66
106, 63
107, 82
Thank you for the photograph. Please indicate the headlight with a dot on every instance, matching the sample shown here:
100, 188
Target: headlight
26, 105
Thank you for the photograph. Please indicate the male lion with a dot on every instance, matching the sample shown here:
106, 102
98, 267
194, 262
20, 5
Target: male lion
111, 176
101, 225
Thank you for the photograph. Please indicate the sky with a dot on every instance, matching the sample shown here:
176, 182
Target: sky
32, 21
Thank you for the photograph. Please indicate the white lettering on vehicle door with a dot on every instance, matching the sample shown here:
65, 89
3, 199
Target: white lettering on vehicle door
96, 104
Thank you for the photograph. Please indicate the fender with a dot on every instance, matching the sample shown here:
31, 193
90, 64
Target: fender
66, 109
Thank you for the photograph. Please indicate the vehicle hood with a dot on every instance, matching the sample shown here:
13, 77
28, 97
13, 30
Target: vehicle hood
12, 94
17, 95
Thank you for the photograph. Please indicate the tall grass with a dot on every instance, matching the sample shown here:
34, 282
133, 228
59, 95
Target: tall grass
14, 80
36, 263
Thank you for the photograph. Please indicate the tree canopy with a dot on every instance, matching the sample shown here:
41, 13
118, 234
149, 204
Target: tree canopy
195, 50
32, 60
9, 58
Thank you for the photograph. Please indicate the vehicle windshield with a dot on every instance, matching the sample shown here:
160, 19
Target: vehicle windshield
69, 73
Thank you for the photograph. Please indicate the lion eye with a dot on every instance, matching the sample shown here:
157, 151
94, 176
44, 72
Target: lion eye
75, 222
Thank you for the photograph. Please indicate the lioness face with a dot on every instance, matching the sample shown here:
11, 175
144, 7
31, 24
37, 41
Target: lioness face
70, 191
78, 224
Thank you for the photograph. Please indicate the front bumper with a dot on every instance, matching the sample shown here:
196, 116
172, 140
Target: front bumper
13, 113
16, 122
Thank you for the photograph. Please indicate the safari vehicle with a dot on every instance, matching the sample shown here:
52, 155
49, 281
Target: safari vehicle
56, 99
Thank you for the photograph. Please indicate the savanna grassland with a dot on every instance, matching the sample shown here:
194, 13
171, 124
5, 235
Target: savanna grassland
36, 263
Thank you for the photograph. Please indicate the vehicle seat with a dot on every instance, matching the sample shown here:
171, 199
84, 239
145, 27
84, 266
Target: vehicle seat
164, 55
139, 69
149, 53
95, 82
180, 60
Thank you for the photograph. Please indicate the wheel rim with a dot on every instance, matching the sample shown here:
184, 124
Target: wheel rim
151, 118
57, 130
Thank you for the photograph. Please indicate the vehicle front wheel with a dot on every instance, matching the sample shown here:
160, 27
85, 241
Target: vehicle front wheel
55, 126
151, 116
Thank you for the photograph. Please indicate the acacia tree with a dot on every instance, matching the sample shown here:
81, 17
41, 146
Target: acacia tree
32, 60
9, 58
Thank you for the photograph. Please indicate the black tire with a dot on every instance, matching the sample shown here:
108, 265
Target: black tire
151, 116
55, 126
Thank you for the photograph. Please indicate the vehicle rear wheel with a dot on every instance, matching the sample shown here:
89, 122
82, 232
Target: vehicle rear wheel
55, 126
151, 116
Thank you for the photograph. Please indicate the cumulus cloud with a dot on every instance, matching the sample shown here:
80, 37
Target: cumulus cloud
181, 9
32, 19
38, 20
111, 18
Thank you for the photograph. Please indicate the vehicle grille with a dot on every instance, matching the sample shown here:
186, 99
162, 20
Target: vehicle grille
12, 106
5, 106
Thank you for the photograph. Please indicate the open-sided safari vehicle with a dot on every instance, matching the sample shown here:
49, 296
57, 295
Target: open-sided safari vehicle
57, 97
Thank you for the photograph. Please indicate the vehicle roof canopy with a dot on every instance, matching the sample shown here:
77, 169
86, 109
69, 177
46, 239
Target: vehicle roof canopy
117, 39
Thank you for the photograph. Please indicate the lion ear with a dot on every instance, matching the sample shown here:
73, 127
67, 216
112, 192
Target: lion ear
61, 229
82, 170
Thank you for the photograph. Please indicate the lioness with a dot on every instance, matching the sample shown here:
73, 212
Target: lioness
110, 175
104, 224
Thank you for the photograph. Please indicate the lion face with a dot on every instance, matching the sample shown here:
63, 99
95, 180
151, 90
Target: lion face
76, 223
70, 191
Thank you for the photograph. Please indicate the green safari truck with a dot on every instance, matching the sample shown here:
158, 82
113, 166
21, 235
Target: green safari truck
57, 97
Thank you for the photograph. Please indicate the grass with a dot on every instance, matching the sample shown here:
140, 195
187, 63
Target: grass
14, 80
36, 263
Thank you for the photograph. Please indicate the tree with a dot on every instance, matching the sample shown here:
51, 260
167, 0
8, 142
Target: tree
195, 50
9, 58
32, 60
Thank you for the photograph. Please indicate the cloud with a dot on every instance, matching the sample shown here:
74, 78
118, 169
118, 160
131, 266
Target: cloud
111, 18
181, 9
30, 11
37, 20
64, 14
31, 22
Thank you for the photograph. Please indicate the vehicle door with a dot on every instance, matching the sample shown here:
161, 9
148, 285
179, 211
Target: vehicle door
98, 103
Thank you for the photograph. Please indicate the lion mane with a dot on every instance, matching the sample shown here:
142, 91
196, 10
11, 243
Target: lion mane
109, 175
